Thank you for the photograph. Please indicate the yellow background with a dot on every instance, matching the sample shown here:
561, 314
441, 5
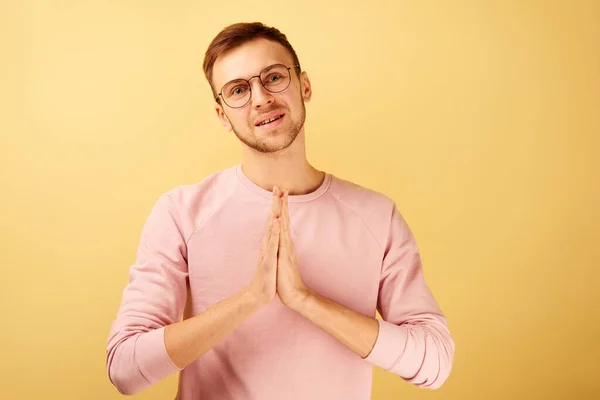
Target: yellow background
480, 118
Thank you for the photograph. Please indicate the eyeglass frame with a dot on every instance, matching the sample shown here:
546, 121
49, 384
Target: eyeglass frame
250, 85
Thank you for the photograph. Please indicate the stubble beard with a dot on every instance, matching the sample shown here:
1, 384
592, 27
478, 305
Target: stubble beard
266, 145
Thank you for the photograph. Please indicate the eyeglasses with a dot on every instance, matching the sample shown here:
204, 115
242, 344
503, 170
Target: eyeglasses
274, 78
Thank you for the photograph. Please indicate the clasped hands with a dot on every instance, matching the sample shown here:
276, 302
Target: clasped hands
277, 270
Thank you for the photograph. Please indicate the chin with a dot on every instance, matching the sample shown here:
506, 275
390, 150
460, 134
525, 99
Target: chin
276, 142
271, 143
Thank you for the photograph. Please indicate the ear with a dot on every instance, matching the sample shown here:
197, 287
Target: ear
222, 117
305, 86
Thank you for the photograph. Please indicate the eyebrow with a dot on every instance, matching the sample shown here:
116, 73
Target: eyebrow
267, 68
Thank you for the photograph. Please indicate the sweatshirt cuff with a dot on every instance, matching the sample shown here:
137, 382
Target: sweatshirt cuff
151, 353
389, 346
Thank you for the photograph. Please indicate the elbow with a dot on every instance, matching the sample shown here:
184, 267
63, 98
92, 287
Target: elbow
439, 380
122, 381
435, 378
123, 371
442, 367
436, 361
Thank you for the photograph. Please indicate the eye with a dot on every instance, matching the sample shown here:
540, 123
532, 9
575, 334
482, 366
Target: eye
274, 77
238, 91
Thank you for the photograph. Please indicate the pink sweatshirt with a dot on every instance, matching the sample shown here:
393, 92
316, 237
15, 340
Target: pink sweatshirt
352, 246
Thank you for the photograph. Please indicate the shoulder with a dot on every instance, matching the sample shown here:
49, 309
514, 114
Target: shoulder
210, 189
374, 208
364, 200
191, 204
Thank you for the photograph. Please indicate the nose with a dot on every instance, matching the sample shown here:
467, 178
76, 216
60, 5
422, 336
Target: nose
260, 96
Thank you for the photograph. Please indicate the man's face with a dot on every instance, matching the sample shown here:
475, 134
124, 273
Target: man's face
249, 60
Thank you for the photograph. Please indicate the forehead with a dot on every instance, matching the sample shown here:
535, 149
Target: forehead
248, 60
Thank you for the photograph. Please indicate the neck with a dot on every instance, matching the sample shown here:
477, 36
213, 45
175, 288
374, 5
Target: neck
287, 169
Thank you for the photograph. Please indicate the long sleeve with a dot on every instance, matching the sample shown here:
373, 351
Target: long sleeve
414, 341
154, 297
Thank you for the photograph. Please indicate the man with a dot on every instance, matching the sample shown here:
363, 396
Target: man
262, 280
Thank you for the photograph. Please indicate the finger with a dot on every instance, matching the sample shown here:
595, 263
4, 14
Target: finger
276, 209
277, 201
288, 226
275, 237
286, 218
274, 212
284, 240
285, 212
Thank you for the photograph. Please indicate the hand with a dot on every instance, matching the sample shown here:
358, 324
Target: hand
290, 287
264, 282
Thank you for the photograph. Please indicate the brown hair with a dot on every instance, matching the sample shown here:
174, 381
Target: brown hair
236, 35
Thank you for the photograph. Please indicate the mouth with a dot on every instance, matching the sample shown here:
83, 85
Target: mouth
271, 121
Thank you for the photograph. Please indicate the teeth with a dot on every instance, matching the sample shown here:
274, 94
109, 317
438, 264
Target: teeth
269, 120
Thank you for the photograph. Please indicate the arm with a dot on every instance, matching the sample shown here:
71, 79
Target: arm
353, 329
147, 341
187, 340
413, 340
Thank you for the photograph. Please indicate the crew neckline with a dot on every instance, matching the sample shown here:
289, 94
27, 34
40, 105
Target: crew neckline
268, 195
